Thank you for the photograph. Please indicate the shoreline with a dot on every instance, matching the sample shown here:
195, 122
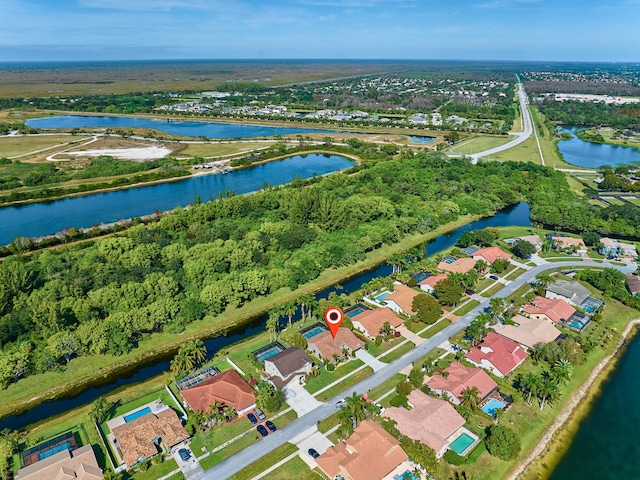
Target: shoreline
553, 440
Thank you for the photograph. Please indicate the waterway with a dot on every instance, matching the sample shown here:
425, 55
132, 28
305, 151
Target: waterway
182, 128
594, 155
517, 215
607, 443
47, 218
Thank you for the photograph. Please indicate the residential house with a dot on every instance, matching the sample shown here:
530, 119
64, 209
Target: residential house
328, 348
429, 284
573, 293
534, 240
430, 421
570, 244
633, 283
490, 255
461, 265
287, 365
370, 322
370, 453
227, 388
140, 438
77, 464
551, 310
612, 246
458, 378
497, 354
401, 299
529, 331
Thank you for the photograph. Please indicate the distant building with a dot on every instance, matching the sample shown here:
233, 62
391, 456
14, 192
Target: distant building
572, 292
288, 365
325, 346
458, 378
78, 464
370, 322
497, 354
227, 388
529, 331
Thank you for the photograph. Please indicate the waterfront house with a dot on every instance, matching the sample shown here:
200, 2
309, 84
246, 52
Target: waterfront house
532, 239
572, 292
497, 354
457, 378
227, 388
633, 283
401, 299
428, 285
553, 310
569, 244
328, 348
370, 453
76, 464
529, 331
490, 255
614, 247
461, 265
370, 322
292, 363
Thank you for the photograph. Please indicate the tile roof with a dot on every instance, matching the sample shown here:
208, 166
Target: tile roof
556, 309
327, 345
566, 242
573, 291
403, 297
462, 265
227, 388
136, 437
431, 421
78, 464
289, 361
502, 353
534, 240
460, 377
433, 279
491, 254
373, 320
529, 331
633, 283
369, 454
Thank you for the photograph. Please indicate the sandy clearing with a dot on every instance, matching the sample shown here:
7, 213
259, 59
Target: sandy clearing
138, 154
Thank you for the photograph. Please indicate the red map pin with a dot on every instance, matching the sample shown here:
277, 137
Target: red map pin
333, 318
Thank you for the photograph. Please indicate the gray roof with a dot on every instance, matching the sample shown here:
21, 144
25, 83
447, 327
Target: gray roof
633, 282
291, 360
571, 290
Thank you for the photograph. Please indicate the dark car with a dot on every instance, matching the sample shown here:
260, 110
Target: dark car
262, 430
259, 413
469, 292
270, 425
313, 453
252, 418
184, 454
493, 277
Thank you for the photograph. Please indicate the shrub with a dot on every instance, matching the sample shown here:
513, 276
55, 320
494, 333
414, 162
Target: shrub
399, 401
378, 341
330, 367
453, 458
404, 388
502, 442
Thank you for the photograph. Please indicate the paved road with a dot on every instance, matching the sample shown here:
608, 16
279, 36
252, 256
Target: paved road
237, 462
520, 137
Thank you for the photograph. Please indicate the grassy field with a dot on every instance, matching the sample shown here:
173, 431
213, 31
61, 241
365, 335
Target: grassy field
612, 200
265, 462
397, 353
231, 449
384, 387
21, 145
295, 469
515, 273
218, 149
480, 143
345, 384
325, 378
493, 290
466, 308
441, 325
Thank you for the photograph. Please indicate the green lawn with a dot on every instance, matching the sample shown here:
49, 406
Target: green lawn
377, 351
482, 284
285, 419
612, 200
493, 290
441, 325
325, 378
397, 353
515, 274
345, 384
480, 144
265, 462
519, 293
384, 387
295, 469
229, 450
466, 308
156, 471
328, 423
219, 435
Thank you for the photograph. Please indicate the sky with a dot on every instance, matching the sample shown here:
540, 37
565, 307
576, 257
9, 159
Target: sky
554, 30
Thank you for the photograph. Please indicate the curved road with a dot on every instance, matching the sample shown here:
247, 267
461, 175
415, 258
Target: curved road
237, 462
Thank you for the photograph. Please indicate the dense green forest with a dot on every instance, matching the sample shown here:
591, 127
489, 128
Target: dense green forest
573, 112
196, 262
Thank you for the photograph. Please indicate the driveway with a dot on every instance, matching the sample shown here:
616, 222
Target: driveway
190, 468
299, 399
311, 438
369, 359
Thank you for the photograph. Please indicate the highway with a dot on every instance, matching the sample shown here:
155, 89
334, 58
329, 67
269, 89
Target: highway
237, 462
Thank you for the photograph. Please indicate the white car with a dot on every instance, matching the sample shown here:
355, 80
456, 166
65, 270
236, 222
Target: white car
382, 409
341, 403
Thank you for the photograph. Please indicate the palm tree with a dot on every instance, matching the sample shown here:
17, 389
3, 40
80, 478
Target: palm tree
562, 371
529, 385
290, 309
197, 350
229, 413
99, 409
303, 301
470, 397
109, 474
272, 324
181, 362
497, 306
544, 279
357, 407
548, 389
396, 260
537, 352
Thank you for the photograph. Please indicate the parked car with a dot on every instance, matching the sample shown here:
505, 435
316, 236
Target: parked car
493, 277
252, 418
270, 425
341, 403
382, 409
469, 292
313, 453
263, 431
259, 413
184, 454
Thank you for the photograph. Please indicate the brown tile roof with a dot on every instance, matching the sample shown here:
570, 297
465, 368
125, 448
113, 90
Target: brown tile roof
462, 265
403, 297
556, 309
502, 353
327, 345
79, 464
369, 454
433, 279
529, 331
491, 254
136, 437
373, 320
460, 377
289, 361
430, 421
227, 388
566, 242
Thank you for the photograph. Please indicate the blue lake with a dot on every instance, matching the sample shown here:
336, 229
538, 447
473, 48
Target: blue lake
594, 155
186, 129
46, 218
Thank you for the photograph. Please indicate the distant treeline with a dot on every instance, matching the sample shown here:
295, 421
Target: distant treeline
573, 112
586, 87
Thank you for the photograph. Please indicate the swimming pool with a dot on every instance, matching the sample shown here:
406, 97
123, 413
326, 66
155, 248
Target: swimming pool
382, 296
132, 416
491, 407
269, 353
355, 312
460, 444
313, 332
55, 449
405, 476
418, 277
